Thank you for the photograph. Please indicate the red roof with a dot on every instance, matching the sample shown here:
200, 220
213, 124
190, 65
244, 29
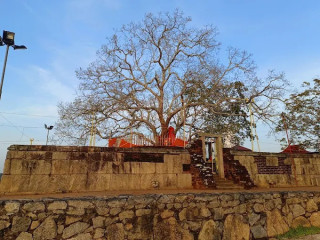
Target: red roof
295, 149
240, 148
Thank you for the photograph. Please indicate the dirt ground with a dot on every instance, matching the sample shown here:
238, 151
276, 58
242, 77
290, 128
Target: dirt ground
13, 196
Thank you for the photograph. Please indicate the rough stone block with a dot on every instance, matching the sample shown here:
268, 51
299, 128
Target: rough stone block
61, 166
169, 161
161, 167
184, 181
38, 155
169, 181
38, 183
59, 183
146, 167
77, 182
40, 166
118, 181
7, 166
148, 181
60, 156
14, 183
272, 161
185, 158
16, 155
78, 166
99, 182
134, 181
18, 166
136, 167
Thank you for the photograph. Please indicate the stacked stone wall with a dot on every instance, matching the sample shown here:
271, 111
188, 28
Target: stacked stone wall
171, 217
280, 170
46, 169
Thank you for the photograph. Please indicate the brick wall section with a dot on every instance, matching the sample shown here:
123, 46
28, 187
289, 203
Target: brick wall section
76, 169
186, 216
280, 170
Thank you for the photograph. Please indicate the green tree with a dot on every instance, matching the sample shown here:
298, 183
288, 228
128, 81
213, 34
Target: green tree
302, 116
161, 72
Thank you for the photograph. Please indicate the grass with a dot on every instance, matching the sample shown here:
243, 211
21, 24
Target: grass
299, 232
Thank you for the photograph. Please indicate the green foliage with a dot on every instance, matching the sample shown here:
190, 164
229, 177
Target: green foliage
299, 232
302, 116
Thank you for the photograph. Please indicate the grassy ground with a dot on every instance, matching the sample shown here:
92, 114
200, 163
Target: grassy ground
299, 232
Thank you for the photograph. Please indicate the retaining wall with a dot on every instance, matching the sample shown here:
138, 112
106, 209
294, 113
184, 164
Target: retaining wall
171, 217
280, 170
38, 169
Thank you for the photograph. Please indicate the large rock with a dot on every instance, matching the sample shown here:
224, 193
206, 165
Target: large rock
315, 219
4, 224
300, 221
297, 210
57, 205
115, 232
75, 228
258, 232
98, 222
34, 207
12, 207
20, 224
275, 223
24, 236
47, 230
311, 206
235, 228
82, 236
208, 231
253, 218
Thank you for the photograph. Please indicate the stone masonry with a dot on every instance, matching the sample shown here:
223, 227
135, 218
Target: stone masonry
171, 217
39, 169
280, 170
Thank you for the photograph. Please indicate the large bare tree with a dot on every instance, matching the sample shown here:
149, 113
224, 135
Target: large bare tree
159, 72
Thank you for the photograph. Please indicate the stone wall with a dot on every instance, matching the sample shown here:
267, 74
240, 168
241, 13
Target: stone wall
171, 217
280, 170
36, 169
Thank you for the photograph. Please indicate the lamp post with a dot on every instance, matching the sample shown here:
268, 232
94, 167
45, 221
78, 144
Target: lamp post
48, 128
8, 39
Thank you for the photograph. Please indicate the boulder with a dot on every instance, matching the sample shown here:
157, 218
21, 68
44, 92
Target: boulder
297, 210
300, 221
20, 224
74, 229
311, 206
47, 230
208, 230
258, 232
235, 228
275, 223
315, 219
24, 236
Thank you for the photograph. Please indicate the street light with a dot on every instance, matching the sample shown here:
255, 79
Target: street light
48, 128
8, 39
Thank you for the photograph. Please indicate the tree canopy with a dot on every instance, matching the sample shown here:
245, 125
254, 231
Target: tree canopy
163, 71
302, 116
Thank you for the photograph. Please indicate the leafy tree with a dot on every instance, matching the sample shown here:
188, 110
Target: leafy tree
302, 116
161, 72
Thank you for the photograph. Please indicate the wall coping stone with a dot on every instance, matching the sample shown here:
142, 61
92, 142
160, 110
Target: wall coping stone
198, 196
270, 154
143, 149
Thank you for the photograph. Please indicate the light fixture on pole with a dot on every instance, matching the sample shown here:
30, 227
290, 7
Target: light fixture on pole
8, 39
48, 128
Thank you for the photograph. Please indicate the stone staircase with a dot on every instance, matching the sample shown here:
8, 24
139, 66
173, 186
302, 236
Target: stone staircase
203, 177
225, 184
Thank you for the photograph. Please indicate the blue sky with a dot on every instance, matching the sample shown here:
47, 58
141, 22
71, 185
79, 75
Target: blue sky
63, 35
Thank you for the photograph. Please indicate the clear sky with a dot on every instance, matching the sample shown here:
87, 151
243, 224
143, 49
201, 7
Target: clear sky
63, 35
